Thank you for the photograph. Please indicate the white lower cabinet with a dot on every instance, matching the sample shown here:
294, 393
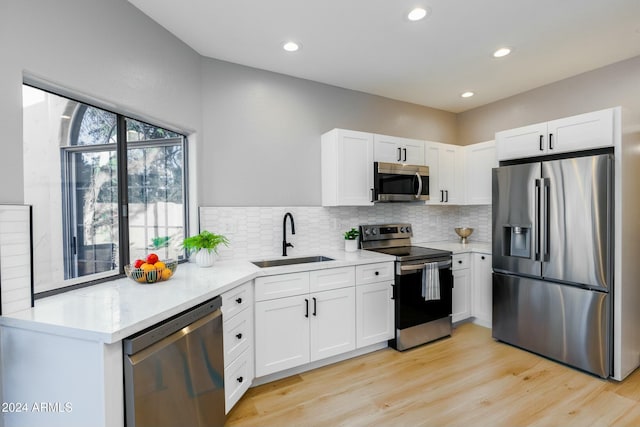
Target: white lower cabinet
461, 299
295, 330
375, 313
481, 297
237, 331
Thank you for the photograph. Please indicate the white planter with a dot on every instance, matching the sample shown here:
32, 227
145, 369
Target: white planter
205, 258
350, 245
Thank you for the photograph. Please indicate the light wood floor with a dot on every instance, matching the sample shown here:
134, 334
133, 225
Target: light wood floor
466, 380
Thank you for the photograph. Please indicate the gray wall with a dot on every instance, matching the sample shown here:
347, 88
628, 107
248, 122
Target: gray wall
105, 52
262, 133
610, 86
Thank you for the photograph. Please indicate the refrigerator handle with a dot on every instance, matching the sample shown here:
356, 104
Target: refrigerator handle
537, 220
546, 256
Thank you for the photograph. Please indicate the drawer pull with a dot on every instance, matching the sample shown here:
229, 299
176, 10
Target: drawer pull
482, 257
239, 300
240, 379
460, 261
239, 336
377, 273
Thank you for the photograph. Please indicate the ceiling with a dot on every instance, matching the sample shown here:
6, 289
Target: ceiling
371, 46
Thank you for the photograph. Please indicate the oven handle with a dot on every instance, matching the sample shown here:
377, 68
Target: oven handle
413, 267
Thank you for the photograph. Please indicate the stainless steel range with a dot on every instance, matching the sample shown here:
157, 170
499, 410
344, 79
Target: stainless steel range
423, 284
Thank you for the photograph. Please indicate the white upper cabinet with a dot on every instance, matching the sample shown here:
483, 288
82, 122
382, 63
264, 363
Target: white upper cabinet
446, 173
480, 159
347, 168
581, 132
393, 149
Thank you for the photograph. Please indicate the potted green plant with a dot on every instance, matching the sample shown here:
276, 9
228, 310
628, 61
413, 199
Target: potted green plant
351, 240
205, 245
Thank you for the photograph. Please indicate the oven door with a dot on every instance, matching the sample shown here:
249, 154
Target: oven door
400, 183
411, 307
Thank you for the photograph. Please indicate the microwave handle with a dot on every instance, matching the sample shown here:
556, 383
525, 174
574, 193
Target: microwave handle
419, 186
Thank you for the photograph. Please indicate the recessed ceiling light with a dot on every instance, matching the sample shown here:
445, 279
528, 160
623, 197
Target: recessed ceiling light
417, 14
467, 94
291, 46
503, 51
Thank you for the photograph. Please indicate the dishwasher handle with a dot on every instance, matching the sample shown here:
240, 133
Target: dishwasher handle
155, 333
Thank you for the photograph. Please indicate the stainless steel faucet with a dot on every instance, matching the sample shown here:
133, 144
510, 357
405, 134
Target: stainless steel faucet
284, 233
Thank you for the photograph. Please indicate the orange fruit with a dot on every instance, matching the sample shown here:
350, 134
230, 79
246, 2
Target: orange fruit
159, 265
166, 273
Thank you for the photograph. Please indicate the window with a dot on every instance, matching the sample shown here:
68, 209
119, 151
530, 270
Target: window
105, 189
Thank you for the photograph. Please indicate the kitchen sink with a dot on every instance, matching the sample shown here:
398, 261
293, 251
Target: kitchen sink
290, 261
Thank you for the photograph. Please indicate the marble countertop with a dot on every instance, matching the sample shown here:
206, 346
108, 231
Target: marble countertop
114, 310
458, 248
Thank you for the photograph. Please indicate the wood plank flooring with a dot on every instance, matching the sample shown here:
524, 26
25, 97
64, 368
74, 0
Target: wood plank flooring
466, 380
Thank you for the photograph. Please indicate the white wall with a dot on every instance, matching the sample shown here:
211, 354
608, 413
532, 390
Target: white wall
103, 52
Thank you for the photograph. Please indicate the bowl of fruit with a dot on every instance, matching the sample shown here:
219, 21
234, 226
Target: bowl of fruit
151, 269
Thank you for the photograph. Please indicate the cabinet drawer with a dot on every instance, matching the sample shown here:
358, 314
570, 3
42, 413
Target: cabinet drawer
331, 278
460, 261
237, 299
238, 335
372, 273
282, 285
237, 379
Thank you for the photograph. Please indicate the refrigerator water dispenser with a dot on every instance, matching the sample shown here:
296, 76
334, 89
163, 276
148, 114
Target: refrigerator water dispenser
518, 241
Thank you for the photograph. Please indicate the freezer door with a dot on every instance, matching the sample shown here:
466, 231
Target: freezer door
562, 322
577, 220
516, 203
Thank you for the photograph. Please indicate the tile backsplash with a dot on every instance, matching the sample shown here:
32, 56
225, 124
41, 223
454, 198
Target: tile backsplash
256, 232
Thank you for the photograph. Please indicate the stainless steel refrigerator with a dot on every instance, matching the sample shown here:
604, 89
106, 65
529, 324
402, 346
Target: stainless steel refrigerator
553, 259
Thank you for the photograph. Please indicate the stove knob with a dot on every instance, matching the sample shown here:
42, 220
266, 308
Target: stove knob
408, 229
402, 229
367, 231
374, 231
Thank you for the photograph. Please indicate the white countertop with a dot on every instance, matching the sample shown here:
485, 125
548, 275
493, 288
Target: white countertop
458, 248
114, 310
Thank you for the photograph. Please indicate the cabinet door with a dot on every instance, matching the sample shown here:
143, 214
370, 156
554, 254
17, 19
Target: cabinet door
393, 149
480, 159
481, 303
333, 322
386, 149
281, 334
347, 168
461, 306
374, 313
526, 141
432, 159
582, 132
413, 152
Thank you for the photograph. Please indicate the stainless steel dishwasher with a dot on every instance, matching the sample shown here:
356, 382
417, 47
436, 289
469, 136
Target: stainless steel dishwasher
174, 371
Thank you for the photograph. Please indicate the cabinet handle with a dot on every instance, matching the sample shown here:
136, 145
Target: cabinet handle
239, 336
399, 154
377, 273
541, 146
240, 379
373, 195
405, 154
550, 141
315, 305
393, 291
239, 300
441, 196
306, 303
459, 261
482, 257
446, 192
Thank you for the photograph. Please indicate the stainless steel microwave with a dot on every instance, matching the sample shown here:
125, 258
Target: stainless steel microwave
397, 182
